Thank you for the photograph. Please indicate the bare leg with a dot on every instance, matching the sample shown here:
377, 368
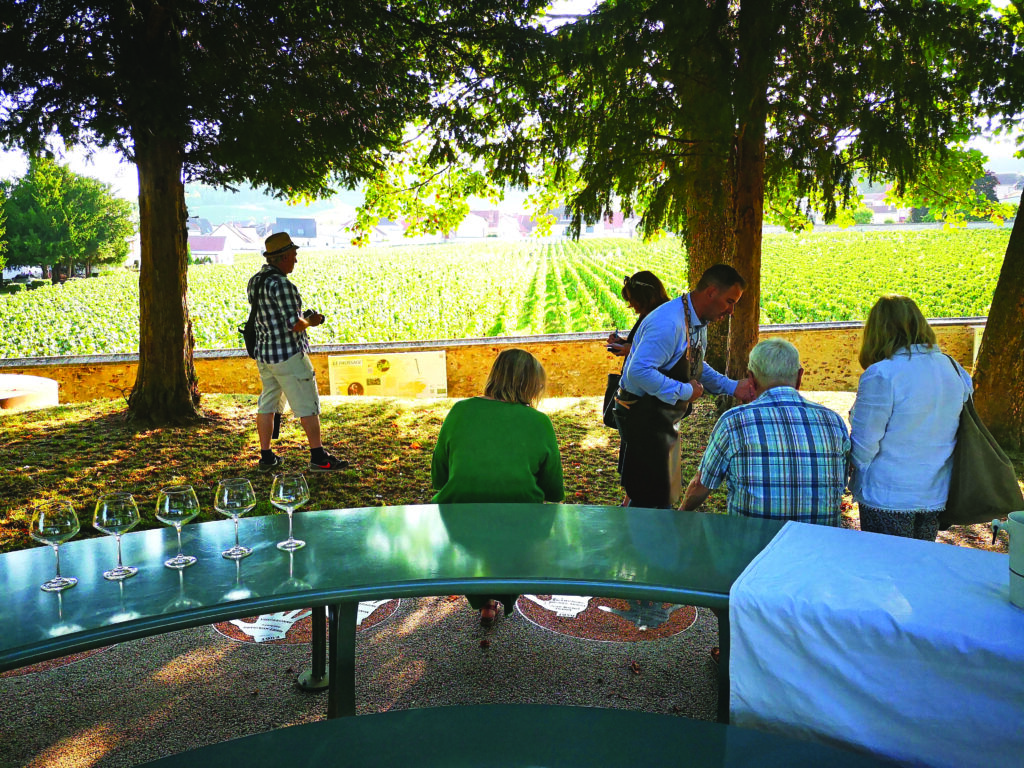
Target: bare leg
311, 425
265, 428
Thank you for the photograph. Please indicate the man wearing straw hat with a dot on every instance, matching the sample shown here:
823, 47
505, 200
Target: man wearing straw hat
282, 355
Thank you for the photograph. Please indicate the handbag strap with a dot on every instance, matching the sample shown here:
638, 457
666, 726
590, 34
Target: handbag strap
959, 369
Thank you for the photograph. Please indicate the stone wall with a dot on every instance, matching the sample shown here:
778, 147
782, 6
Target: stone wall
576, 364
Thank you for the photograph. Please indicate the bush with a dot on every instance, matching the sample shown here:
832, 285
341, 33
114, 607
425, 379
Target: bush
12, 288
37, 282
863, 215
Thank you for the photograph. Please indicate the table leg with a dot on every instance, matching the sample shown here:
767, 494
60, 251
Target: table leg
341, 695
317, 677
723, 664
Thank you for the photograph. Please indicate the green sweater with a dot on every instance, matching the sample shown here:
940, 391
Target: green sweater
492, 451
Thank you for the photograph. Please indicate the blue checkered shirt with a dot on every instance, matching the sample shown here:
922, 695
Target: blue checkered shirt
782, 456
278, 308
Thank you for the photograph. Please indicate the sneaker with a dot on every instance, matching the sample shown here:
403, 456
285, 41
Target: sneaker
266, 465
333, 463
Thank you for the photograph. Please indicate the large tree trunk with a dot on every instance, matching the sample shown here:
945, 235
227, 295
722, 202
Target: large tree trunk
702, 77
999, 372
756, 32
165, 389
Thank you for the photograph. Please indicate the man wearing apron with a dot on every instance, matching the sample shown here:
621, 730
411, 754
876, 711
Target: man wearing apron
663, 375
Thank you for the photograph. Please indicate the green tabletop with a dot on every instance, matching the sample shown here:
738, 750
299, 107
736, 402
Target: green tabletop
517, 736
371, 553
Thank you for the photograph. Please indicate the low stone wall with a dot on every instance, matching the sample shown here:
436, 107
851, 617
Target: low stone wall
576, 363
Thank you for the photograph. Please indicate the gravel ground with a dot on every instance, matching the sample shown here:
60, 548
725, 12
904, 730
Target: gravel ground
149, 698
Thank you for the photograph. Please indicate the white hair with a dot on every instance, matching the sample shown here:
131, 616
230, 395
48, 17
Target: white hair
774, 363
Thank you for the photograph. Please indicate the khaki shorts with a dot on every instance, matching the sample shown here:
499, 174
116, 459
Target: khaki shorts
293, 379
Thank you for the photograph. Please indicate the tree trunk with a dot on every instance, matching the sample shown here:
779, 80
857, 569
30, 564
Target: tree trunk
703, 77
999, 372
756, 52
165, 390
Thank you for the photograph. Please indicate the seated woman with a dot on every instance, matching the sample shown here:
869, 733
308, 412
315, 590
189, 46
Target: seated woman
904, 422
499, 448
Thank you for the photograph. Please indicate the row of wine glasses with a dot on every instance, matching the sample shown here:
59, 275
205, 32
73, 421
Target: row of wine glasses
55, 522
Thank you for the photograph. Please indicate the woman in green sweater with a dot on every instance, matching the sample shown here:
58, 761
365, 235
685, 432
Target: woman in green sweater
499, 448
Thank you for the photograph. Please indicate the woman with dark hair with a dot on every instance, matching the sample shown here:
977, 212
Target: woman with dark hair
643, 292
499, 448
904, 422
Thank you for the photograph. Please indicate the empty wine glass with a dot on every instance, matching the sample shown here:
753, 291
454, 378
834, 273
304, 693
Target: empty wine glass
289, 492
53, 523
235, 497
176, 505
116, 514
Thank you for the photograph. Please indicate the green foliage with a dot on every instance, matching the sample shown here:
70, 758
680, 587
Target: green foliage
3, 229
505, 288
954, 188
863, 215
58, 218
630, 105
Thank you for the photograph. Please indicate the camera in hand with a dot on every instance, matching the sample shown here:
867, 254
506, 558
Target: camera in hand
308, 313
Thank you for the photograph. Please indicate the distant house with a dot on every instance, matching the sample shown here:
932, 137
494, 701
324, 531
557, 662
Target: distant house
199, 226
473, 226
210, 247
239, 238
303, 231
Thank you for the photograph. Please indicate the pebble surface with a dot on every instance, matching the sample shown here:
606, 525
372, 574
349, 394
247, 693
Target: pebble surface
149, 698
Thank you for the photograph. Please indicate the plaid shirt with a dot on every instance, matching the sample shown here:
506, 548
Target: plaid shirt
279, 307
783, 458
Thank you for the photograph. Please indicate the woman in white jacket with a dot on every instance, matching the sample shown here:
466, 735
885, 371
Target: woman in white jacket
903, 422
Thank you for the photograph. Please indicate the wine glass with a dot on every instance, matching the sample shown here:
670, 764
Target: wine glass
289, 492
235, 497
53, 523
176, 505
116, 514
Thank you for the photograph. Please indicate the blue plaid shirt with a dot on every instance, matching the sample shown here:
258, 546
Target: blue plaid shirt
278, 308
782, 456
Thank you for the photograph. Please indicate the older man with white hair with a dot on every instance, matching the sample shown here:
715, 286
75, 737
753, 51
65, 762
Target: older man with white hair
783, 456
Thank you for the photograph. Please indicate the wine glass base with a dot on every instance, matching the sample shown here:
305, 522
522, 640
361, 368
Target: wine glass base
121, 572
180, 561
290, 545
236, 553
59, 584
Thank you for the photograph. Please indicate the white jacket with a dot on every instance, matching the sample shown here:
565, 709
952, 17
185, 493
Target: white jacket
903, 428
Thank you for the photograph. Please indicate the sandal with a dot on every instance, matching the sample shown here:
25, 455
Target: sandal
488, 614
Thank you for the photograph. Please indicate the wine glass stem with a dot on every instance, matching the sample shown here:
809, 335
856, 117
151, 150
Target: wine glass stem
119, 565
236, 532
289, 525
56, 553
178, 529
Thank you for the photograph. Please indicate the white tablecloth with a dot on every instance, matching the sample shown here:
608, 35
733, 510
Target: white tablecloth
907, 649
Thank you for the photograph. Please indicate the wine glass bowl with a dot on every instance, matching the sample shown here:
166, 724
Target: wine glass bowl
235, 497
115, 515
176, 505
289, 492
53, 523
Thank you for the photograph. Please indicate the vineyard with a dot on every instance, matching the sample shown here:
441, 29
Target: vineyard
500, 288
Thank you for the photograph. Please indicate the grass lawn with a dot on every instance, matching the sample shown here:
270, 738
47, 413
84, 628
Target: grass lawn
81, 451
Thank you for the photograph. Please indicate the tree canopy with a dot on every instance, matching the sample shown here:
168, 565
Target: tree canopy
59, 219
292, 95
706, 117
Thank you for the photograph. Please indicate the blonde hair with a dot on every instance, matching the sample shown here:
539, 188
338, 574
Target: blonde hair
516, 377
895, 322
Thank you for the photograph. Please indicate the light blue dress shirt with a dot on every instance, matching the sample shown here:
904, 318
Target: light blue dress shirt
903, 427
659, 343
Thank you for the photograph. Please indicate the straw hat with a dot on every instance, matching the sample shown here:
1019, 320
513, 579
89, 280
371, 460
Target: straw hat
278, 243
